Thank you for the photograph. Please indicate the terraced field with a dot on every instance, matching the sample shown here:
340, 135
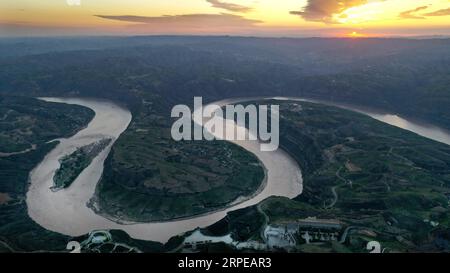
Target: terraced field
150, 177
366, 174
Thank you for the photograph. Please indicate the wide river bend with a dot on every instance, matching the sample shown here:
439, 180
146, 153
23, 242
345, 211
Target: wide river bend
66, 211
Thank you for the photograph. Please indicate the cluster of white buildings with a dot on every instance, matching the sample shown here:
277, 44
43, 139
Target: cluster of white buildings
281, 236
310, 229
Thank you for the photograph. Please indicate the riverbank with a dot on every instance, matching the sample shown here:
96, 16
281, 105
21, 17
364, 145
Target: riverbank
66, 212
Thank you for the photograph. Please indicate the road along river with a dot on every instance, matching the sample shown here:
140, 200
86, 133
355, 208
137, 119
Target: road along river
66, 211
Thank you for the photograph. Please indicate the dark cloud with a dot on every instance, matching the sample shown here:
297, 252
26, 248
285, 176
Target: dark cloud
197, 21
229, 6
324, 10
411, 14
442, 12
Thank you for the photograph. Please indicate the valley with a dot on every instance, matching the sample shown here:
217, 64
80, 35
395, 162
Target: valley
339, 180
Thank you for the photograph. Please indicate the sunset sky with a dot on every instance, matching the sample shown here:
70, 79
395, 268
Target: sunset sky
354, 18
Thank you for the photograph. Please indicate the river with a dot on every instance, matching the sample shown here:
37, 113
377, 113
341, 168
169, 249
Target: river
66, 212
420, 128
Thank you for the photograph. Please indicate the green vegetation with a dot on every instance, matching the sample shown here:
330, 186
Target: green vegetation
399, 181
30, 121
26, 123
18, 232
243, 224
386, 180
72, 165
150, 177
404, 76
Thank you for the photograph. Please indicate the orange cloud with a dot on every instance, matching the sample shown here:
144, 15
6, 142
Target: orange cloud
324, 10
229, 6
187, 22
442, 12
410, 14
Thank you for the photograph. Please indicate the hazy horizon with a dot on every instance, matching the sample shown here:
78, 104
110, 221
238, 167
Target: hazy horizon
264, 18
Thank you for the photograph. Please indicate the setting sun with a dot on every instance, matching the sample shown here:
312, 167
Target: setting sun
231, 17
355, 34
